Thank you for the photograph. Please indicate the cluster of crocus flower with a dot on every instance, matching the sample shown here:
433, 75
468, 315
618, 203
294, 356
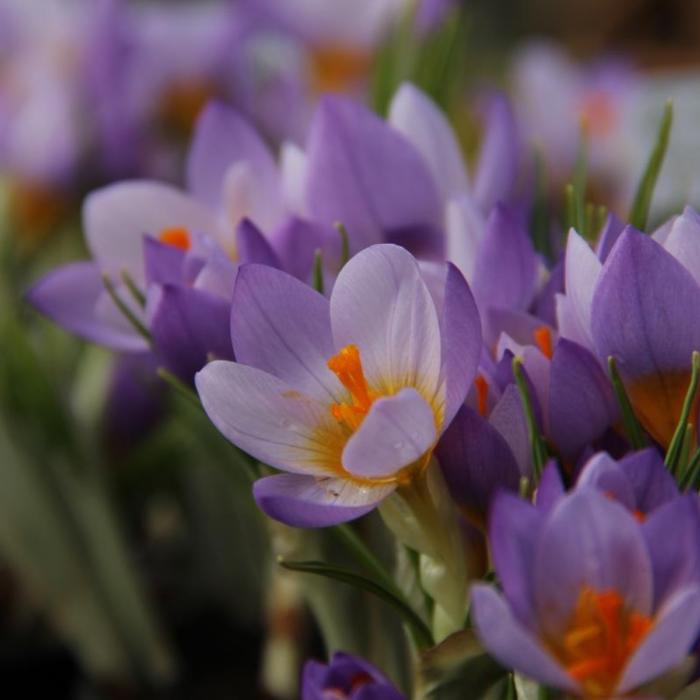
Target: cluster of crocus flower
371, 318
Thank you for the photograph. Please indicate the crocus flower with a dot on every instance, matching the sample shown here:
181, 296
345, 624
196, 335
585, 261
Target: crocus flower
345, 677
639, 481
642, 313
174, 247
349, 397
593, 603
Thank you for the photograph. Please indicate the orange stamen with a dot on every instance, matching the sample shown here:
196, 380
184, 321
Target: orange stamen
176, 236
347, 366
482, 394
335, 68
602, 635
543, 340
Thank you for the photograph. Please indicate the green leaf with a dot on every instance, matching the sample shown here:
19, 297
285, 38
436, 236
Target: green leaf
179, 386
318, 271
125, 310
537, 446
675, 448
634, 430
344, 243
642, 200
456, 665
419, 630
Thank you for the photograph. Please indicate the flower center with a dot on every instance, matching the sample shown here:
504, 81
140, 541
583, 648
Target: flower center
347, 366
598, 113
601, 636
482, 394
177, 236
543, 340
335, 68
359, 680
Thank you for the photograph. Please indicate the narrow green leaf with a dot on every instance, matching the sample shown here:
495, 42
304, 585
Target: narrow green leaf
675, 447
136, 293
569, 207
634, 430
537, 446
690, 477
344, 243
645, 190
125, 310
318, 271
419, 630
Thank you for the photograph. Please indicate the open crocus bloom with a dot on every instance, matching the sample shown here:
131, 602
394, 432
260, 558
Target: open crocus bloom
348, 396
594, 602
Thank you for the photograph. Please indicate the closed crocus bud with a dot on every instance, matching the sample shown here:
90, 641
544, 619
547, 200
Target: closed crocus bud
346, 677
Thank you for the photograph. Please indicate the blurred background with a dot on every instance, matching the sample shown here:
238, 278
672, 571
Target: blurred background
133, 562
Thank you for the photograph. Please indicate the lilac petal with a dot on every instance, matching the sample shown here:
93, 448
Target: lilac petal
419, 119
608, 236
269, 419
508, 418
544, 306
637, 316
497, 171
189, 327
520, 326
668, 642
506, 266
381, 304
465, 229
551, 489
672, 533
222, 138
476, 462
309, 501
364, 174
581, 272
253, 247
397, 432
582, 404
460, 329
422, 240
603, 473
116, 218
69, 296
651, 481
282, 326
588, 540
514, 529
683, 241
511, 643
297, 241
163, 264
217, 276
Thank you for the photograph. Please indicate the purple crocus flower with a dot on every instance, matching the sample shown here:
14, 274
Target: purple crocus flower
346, 677
348, 396
593, 602
639, 481
642, 311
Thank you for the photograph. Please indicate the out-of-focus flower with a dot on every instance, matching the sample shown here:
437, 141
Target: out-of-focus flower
345, 677
348, 397
593, 602
557, 99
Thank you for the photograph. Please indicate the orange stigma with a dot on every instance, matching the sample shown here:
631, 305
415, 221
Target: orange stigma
602, 635
347, 366
482, 394
598, 114
177, 236
335, 68
543, 340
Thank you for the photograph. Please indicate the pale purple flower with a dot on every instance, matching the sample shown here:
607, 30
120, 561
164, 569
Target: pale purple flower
348, 396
